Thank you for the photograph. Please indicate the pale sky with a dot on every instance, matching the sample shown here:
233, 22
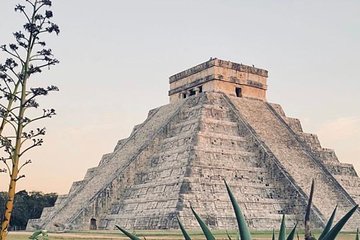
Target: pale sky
116, 57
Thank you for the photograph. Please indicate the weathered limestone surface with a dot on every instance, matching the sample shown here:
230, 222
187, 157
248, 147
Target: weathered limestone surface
218, 126
343, 172
221, 76
297, 158
180, 156
226, 149
84, 193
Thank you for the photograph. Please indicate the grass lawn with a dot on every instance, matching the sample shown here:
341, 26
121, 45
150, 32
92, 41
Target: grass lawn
156, 235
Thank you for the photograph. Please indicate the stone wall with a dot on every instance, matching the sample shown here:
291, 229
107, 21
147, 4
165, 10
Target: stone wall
219, 76
76, 210
225, 149
182, 153
344, 173
298, 160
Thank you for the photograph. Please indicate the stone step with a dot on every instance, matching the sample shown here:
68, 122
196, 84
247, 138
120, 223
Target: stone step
183, 135
224, 122
75, 203
182, 124
286, 148
224, 151
224, 136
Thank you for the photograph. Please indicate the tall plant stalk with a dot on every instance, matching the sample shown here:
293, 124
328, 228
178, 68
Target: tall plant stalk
24, 58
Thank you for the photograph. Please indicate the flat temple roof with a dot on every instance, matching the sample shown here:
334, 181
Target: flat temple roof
219, 63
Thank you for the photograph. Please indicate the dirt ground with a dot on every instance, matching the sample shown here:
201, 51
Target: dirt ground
151, 235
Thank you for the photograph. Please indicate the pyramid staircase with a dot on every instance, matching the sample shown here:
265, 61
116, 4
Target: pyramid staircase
179, 157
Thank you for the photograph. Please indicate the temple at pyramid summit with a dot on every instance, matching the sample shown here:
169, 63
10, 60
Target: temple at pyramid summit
218, 125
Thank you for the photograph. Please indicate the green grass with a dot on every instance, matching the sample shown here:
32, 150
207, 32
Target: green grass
159, 235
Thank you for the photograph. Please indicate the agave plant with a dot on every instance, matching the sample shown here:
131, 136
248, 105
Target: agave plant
204, 227
329, 232
243, 227
129, 235
328, 224
291, 235
244, 232
331, 235
39, 235
183, 231
308, 235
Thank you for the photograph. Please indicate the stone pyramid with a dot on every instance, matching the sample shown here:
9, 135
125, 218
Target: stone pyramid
217, 126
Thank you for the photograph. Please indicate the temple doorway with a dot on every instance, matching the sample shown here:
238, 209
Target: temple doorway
93, 225
238, 92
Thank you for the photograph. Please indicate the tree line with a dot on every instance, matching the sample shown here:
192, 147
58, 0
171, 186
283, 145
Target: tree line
28, 205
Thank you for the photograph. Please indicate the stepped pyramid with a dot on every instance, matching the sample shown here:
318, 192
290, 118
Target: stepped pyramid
217, 126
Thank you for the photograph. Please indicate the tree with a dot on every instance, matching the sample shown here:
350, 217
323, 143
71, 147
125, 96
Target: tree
19, 108
27, 206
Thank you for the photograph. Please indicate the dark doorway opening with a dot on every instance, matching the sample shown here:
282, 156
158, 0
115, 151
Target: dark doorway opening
93, 225
184, 95
192, 92
238, 92
200, 89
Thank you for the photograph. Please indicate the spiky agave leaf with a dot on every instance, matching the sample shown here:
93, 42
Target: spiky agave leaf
35, 234
204, 228
129, 235
331, 235
273, 235
183, 231
328, 224
292, 233
228, 235
308, 211
282, 232
357, 235
242, 225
